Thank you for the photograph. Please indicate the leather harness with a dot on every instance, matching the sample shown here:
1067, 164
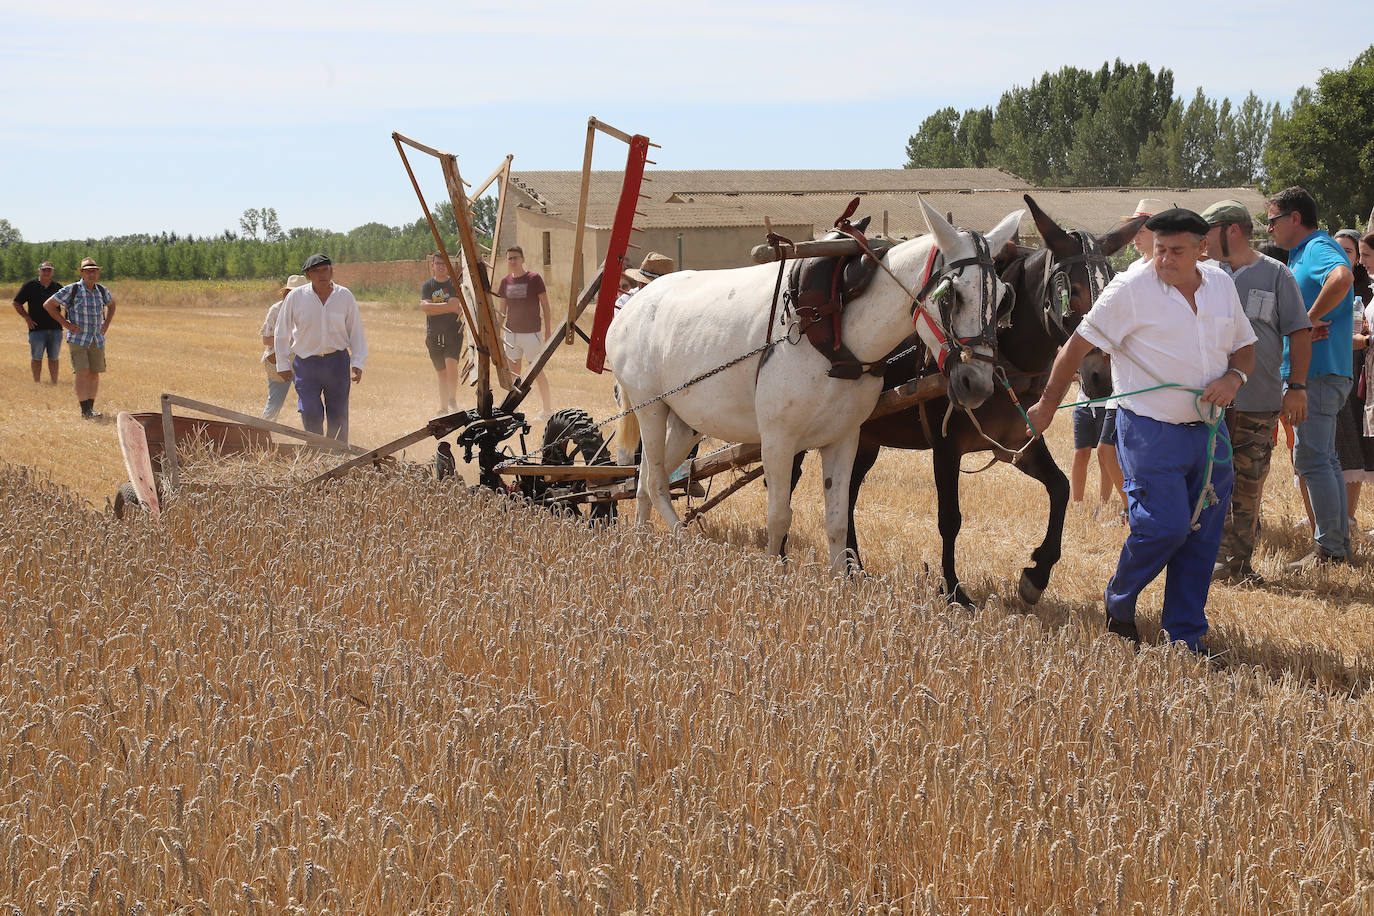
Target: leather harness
819, 288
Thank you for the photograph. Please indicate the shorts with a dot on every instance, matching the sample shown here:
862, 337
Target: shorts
443, 346
1109, 428
44, 340
1087, 426
523, 346
87, 359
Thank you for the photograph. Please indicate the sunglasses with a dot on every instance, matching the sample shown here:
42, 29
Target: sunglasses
1276, 217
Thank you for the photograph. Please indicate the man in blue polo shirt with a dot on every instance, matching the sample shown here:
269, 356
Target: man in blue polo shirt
1325, 280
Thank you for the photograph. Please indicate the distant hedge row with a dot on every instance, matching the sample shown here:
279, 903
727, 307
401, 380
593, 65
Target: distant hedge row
168, 257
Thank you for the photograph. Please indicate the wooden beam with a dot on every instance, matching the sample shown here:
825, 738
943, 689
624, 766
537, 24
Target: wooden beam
500, 215
580, 230
735, 486
909, 394
381, 451
169, 443
491, 335
571, 471
500, 169
322, 443
608, 129
415, 144
438, 241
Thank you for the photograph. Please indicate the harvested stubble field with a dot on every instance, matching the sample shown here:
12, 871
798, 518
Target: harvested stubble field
390, 695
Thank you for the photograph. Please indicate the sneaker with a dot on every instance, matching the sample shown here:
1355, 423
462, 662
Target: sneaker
1126, 629
1317, 557
93, 415
1224, 571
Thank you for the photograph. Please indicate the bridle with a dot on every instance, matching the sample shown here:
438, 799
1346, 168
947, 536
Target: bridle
939, 285
1056, 287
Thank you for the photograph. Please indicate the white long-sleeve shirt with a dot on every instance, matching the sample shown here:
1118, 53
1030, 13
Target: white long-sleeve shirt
1154, 336
308, 327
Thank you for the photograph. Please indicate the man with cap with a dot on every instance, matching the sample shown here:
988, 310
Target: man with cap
1271, 300
89, 310
319, 339
45, 334
1325, 279
1176, 321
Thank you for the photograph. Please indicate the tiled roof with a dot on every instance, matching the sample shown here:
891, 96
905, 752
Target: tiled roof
556, 192
978, 198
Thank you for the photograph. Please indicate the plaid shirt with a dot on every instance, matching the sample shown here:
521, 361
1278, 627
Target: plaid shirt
84, 308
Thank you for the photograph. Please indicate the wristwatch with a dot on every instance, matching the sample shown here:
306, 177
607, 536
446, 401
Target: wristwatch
1294, 386
1243, 377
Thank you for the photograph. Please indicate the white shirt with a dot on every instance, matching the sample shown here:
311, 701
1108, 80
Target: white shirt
308, 327
269, 328
1153, 336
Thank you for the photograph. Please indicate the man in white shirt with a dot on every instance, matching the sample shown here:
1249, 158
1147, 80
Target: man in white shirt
319, 337
1176, 321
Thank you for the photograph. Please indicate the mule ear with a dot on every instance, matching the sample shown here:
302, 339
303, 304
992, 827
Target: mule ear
1005, 231
1121, 236
1049, 230
946, 236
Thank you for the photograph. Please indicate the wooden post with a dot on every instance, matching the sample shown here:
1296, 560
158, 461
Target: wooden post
314, 440
491, 336
434, 230
169, 444
500, 215
575, 283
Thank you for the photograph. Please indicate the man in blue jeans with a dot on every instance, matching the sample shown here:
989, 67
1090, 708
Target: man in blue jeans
1325, 281
1174, 321
45, 334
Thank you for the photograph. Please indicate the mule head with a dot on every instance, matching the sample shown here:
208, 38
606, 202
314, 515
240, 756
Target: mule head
969, 301
1081, 274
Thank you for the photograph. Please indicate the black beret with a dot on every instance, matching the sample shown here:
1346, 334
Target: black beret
1177, 220
316, 260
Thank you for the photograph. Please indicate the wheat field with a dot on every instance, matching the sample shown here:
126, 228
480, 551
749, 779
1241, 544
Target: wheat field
389, 695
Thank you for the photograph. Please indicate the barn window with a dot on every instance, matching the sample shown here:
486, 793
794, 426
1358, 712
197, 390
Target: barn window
548, 250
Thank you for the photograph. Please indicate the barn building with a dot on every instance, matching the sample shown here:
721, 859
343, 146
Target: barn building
711, 219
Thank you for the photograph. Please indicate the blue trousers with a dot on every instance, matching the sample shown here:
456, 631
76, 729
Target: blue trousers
322, 385
1317, 462
276, 397
1164, 465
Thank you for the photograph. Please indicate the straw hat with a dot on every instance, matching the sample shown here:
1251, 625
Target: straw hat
1149, 206
653, 266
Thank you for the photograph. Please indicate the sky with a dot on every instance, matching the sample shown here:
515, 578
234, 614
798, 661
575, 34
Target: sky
167, 116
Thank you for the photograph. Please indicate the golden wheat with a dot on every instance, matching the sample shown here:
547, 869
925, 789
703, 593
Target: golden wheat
390, 695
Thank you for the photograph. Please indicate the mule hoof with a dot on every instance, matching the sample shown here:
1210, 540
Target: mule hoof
1028, 590
958, 596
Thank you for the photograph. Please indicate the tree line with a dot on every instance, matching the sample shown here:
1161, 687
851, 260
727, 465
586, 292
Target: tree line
261, 249
1122, 126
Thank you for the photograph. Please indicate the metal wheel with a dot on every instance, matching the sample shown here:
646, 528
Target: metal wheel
571, 437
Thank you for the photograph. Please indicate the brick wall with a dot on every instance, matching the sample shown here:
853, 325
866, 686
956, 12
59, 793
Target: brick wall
377, 273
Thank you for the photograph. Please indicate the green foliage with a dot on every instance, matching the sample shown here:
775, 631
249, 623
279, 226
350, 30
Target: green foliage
1326, 144
227, 256
1118, 126
9, 234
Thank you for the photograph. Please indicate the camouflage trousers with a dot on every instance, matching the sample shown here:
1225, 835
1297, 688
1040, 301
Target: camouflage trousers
1252, 439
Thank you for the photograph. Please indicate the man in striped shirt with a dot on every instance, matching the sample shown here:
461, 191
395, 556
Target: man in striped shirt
89, 308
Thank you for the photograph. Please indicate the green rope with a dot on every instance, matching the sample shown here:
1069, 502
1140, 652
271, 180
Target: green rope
1208, 496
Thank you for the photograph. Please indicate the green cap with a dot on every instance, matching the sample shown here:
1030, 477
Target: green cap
1227, 211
